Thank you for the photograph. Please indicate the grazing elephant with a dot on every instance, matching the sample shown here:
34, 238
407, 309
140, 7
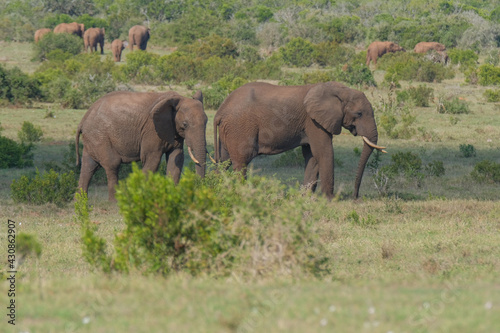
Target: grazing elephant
263, 119
378, 49
70, 28
117, 46
440, 54
124, 127
138, 35
92, 37
40, 33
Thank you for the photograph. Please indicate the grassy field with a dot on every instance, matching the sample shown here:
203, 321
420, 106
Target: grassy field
427, 260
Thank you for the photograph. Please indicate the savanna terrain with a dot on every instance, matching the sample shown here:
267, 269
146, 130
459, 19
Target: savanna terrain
418, 252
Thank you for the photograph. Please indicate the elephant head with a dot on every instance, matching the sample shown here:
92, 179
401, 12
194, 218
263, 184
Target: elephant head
177, 118
333, 106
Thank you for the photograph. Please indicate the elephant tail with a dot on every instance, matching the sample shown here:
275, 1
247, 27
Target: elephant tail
216, 142
77, 144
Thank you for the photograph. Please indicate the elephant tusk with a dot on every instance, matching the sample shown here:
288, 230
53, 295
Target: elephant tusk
371, 144
192, 156
211, 158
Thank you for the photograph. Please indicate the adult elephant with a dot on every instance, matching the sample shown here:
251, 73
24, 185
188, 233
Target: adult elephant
117, 46
261, 118
70, 28
138, 35
378, 49
124, 127
93, 37
40, 33
439, 49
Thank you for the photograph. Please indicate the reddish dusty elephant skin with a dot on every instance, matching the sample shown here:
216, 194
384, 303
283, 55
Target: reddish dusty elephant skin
424, 47
40, 33
123, 127
70, 28
117, 46
93, 37
378, 49
138, 35
264, 119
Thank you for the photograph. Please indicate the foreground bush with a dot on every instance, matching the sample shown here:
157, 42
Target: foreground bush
50, 187
14, 155
215, 226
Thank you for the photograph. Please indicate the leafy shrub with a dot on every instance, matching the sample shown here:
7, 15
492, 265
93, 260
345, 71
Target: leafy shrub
464, 58
67, 43
213, 45
397, 121
27, 245
435, 168
18, 87
420, 95
467, 150
141, 67
214, 226
14, 155
332, 54
30, 133
486, 172
355, 75
453, 106
492, 95
298, 52
48, 187
489, 75
178, 67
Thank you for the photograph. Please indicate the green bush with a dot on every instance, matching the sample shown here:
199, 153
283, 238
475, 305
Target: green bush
30, 133
486, 172
452, 106
467, 150
489, 75
420, 95
492, 96
332, 54
67, 43
213, 226
298, 52
18, 87
48, 187
214, 95
464, 58
355, 75
213, 45
141, 67
27, 245
14, 155
397, 121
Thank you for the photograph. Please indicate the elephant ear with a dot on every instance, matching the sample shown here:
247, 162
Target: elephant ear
198, 96
163, 115
324, 105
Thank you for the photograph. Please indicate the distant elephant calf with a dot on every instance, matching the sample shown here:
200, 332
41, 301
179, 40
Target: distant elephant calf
263, 119
378, 49
117, 46
124, 127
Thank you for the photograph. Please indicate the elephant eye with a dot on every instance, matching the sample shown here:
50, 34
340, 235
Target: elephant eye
359, 114
185, 124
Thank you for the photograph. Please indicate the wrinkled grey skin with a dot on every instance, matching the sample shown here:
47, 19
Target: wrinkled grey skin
263, 119
138, 35
124, 127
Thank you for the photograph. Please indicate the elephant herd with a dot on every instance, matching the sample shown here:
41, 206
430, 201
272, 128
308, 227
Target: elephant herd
378, 49
93, 37
256, 119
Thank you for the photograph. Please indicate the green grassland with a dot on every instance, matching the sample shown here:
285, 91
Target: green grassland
426, 259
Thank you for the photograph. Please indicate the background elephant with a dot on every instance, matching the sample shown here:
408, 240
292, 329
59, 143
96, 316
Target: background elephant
117, 46
138, 35
261, 118
440, 54
92, 37
378, 49
124, 127
40, 33
70, 28
424, 47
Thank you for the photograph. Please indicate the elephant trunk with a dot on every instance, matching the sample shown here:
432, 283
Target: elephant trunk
198, 153
365, 155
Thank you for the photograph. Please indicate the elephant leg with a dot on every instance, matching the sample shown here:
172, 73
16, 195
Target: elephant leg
175, 162
112, 165
151, 161
89, 167
311, 168
322, 151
